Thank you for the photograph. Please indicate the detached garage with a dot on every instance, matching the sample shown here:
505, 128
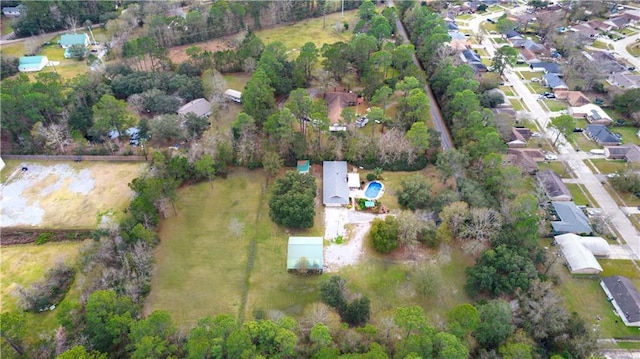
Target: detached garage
305, 254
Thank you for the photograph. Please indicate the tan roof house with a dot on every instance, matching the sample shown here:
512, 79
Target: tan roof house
574, 98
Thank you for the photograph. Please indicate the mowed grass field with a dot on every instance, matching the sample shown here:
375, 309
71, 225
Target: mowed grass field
64, 195
222, 254
222, 248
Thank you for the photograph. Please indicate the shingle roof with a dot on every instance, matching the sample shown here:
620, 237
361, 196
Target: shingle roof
625, 295
549, 67
601, 133
512, 34
335, 189
572, 220
471, 56
552, 184
554, 81
310, 248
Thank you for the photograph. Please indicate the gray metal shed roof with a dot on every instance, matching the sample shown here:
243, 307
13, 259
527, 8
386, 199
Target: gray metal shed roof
626, 296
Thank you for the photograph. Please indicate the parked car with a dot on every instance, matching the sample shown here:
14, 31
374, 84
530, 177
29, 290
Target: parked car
620, 122
362, 121
491, 21
535, 79
631, 68
578, 129
536, 134
550, 157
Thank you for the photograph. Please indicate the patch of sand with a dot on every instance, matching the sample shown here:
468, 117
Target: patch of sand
340, 255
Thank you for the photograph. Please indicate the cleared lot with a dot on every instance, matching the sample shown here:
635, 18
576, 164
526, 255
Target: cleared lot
64, 195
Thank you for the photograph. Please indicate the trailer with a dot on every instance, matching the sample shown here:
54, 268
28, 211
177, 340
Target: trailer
233, 95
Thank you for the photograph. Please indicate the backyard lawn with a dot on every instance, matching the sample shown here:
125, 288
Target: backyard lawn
557, 166
600, 45
634, 49
629, 134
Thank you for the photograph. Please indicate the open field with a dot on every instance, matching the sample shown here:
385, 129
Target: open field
295, 35
201, 262
19, 266
5, 25
222, 248
65, 194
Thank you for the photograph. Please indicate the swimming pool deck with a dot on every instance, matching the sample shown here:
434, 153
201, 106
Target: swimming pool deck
360, 193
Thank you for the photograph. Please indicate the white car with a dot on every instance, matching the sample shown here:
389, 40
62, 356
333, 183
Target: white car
535, 79
550, 157
536, 134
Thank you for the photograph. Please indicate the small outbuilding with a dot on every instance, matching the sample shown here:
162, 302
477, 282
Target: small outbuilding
32, 63
624, 297
580, 260
305, 254
353, 181
233, 95
303, 166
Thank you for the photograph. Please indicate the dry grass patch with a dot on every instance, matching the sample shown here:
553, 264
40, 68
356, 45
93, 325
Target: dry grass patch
66, 194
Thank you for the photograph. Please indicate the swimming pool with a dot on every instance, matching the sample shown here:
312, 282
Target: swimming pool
374, 190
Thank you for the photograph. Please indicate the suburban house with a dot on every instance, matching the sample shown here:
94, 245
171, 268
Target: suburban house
602, 135
624, 80
525, 158
513, 35
68, 40
32, 63
618, 22
452, 26
457, 35
199, 107
303, 166
459, 45
585, 31
554, 82
599, 25
592, 113
12, 11
528, 56
547, 68
568, 218
470, 56
519, 137
233, 95
581, 252
574, 98
335, 186
629, 152
305, 254
624, 297
553, 186
607, 61
529, 45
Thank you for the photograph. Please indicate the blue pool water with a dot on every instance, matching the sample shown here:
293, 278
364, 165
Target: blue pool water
373, 190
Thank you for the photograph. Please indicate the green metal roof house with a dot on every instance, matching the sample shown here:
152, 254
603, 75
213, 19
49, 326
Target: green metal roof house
32, 63
68, 40
310, 248
303, 166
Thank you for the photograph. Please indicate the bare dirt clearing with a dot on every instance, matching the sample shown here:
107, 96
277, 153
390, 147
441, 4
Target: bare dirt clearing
65, 194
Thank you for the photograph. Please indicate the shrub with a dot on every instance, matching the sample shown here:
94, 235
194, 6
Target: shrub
371, 176
49, 291
384, 234
44, 238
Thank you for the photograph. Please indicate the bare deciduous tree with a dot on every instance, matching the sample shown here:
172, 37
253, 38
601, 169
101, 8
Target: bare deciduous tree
455, 215
483, 224
71, 22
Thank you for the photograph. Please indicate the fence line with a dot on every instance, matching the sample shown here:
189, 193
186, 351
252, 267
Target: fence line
75, 158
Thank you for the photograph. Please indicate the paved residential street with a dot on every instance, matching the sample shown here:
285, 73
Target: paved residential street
628, 233
620, 47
